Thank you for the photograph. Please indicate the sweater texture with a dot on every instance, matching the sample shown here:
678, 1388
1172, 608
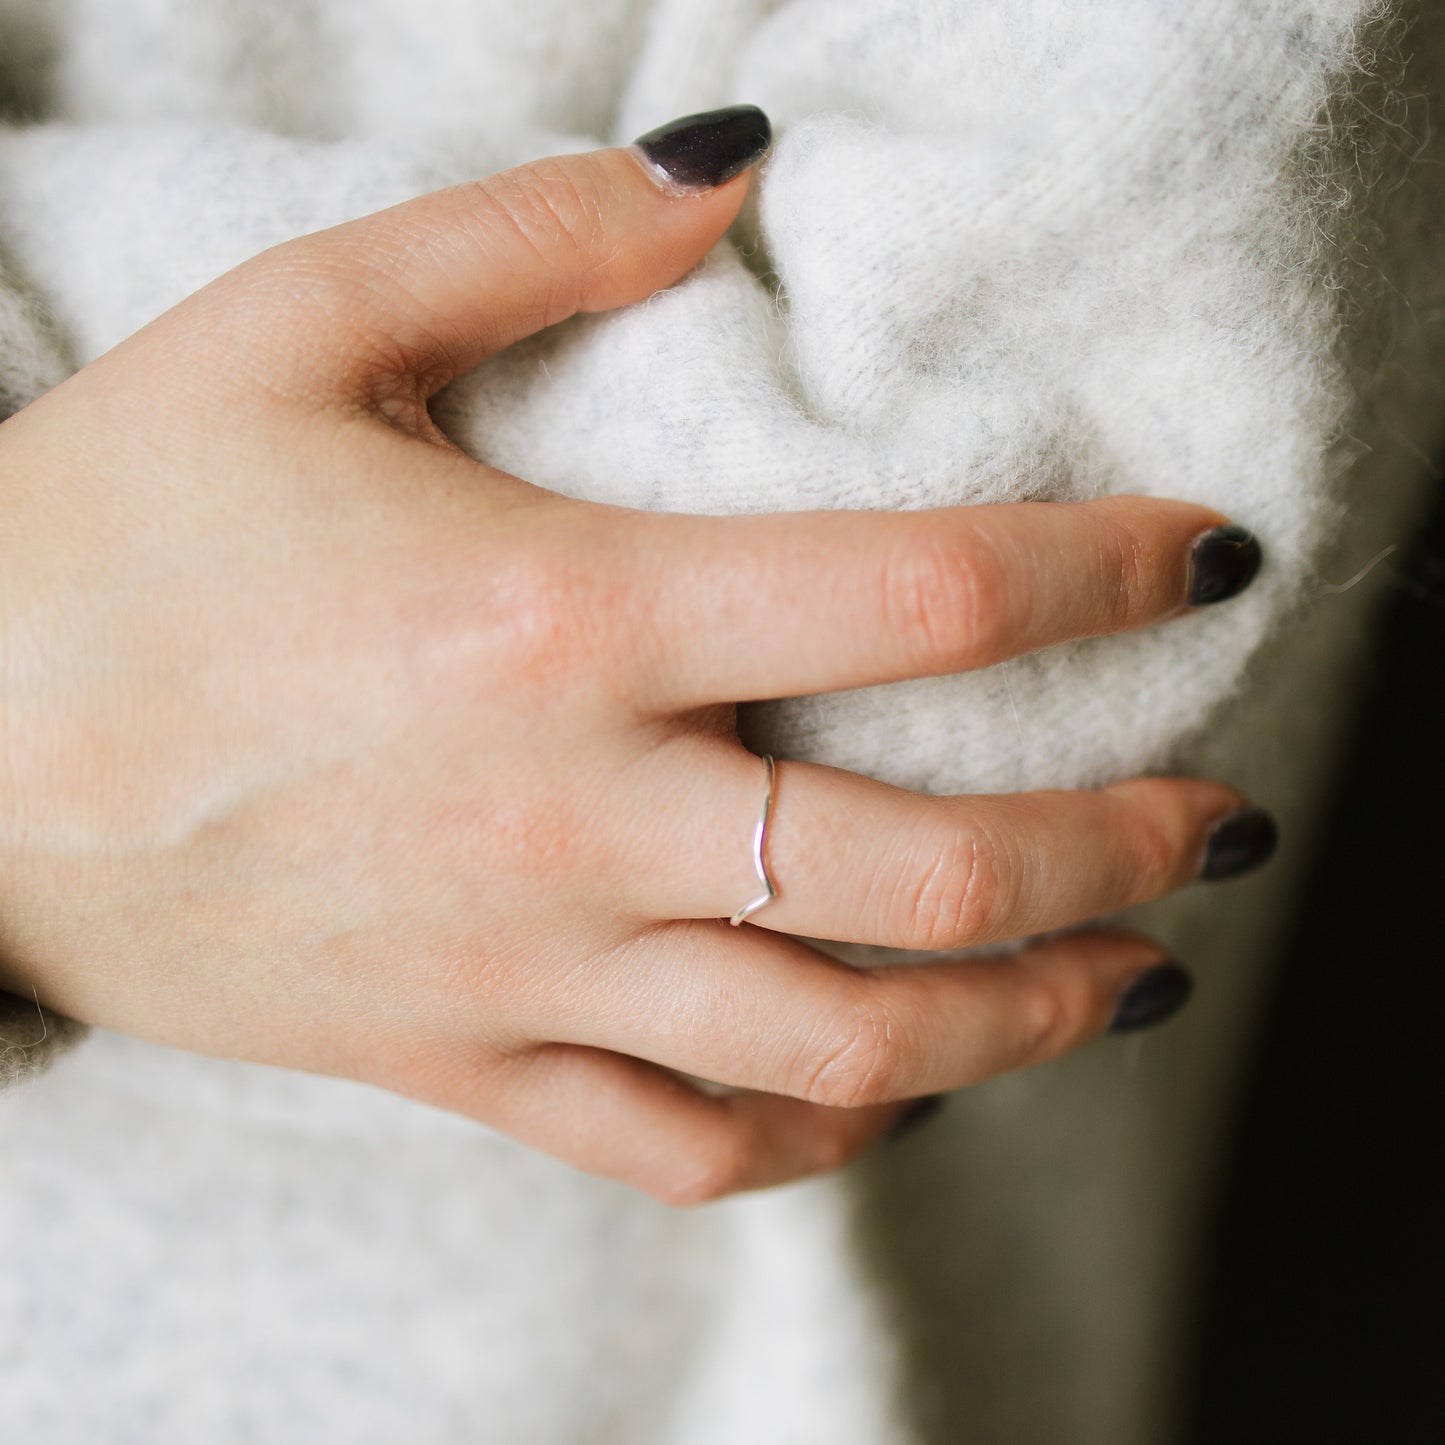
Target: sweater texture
1009, 250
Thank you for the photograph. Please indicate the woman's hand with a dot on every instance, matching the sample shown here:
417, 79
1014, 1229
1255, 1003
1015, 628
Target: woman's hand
325, 746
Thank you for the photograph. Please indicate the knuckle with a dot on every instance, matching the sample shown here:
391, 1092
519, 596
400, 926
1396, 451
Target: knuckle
555, 209
859, 1061
538, 620
521, 840
528, 606
1151, 856
945, 604
277, 298
1124, 563
573, 196
320, 266
510, 203
342, 277
954, 897
1045, 1021
346, 300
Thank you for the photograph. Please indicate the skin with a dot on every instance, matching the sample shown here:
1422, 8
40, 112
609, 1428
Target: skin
325, 746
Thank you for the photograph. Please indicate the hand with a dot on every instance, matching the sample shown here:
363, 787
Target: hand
327, 747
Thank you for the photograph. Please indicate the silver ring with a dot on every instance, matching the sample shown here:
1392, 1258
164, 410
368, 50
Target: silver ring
759, 834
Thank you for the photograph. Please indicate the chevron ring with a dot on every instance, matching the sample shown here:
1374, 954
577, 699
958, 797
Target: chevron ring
770, 892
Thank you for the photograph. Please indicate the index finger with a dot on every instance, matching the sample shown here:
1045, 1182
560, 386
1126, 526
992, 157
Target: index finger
753, 607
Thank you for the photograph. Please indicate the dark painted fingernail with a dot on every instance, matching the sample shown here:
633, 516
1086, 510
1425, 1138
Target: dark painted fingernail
1238, 843
1222, 563
1151, 998
698, 152
922, 1111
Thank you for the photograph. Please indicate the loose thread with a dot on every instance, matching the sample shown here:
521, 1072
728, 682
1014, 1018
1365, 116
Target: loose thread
44, 1029
1331, 589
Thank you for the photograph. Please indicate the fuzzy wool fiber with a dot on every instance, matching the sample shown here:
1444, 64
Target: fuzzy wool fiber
1003, 250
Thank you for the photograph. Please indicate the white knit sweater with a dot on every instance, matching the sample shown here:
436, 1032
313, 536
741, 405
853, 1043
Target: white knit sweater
1005, 249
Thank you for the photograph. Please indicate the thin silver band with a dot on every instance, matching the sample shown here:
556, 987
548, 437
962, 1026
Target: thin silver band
759, 833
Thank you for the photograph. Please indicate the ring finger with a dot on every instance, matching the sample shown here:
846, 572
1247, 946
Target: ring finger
859, 861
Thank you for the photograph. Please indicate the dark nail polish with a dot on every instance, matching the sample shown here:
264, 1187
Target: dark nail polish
1222, 563
1151, 998
922, 1111
1238, 843
697, 152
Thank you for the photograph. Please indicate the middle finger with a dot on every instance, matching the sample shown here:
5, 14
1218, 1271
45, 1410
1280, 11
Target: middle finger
755, 607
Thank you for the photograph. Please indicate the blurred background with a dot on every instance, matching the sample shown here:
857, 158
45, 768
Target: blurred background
1325, 1286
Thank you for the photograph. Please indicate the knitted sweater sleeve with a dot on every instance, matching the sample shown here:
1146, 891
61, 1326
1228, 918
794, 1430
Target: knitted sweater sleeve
31, 361
30, 1035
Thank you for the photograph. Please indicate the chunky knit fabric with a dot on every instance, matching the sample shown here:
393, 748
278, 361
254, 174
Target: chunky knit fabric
1004, 250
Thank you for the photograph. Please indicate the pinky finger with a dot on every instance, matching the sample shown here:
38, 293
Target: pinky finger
621, 1118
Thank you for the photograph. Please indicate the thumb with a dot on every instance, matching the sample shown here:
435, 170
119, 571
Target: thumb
425, 290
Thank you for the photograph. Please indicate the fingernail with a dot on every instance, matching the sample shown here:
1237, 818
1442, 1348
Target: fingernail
698, 152
1222, 563
1151, 998
922, 1111
1238, 843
